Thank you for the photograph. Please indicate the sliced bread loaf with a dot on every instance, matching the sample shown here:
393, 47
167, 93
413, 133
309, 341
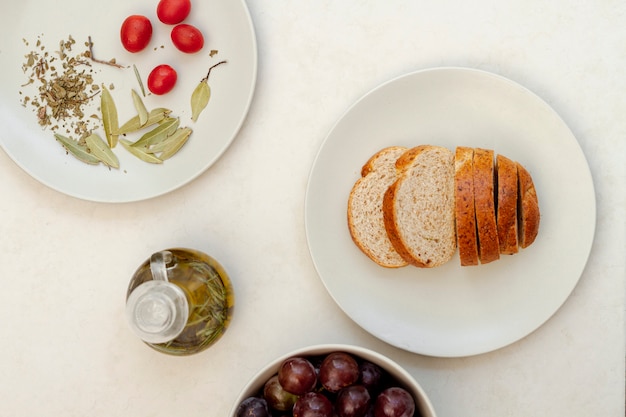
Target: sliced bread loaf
464, 206
484, 201
527, 208
365, 213
506, 214
418, 208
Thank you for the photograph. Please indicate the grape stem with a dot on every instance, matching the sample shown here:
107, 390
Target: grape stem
209, 72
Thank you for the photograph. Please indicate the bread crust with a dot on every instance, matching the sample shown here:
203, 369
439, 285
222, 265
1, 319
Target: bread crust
405, 160
366, 228
467, 241
506, 215
528, 208
420, 256
484, 203
390, 220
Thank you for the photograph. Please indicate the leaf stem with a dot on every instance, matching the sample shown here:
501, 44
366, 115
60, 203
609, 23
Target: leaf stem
209, 72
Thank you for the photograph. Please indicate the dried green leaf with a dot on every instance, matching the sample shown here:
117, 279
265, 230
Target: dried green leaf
155, 116
109, 117
139, 153
142, 112
175, 142
159, 133
79, 151
158, 147
143, 90
101, 150
199, 99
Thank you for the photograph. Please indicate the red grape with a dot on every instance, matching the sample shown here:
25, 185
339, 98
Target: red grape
370, 376
276, 397
338, 370
313, 404
253, 407
297, 376
352, 401
394, 402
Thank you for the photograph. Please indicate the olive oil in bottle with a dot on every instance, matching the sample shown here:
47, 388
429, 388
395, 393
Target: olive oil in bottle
180, 301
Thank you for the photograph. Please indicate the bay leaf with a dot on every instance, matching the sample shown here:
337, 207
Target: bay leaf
133, 124
79, 151
174, 143
142, 112
158, 147
101, 150
159, 133
109, 117
199, 99
139, 153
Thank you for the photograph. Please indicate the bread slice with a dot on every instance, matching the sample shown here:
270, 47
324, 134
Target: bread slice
464, 206
506, 211
365, 211
418, 209
527, 208
484, 202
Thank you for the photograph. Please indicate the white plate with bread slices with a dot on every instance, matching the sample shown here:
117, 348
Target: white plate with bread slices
427, 246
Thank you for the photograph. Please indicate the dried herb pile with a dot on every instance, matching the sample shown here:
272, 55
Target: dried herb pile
65, 87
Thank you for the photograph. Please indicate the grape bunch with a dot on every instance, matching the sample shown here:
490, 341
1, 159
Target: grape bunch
335, 385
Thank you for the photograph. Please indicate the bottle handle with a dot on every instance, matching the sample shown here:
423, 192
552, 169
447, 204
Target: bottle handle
158, 265
157, 310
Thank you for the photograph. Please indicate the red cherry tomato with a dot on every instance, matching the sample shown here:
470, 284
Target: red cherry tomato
187, 38
135, 33
172, 12
162, 79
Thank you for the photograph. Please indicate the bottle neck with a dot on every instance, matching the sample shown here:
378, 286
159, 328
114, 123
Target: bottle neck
157, 311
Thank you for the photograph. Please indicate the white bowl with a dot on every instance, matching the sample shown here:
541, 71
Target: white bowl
422, 403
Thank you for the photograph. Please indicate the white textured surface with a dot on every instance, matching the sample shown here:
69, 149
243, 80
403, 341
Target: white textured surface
65, 263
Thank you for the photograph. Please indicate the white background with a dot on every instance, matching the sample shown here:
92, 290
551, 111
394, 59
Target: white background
65, 263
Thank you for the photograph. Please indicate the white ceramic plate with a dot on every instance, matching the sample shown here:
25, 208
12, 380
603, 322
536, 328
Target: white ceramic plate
452, 311
227, 28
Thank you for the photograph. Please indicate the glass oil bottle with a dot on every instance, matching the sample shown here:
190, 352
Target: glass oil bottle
180, 301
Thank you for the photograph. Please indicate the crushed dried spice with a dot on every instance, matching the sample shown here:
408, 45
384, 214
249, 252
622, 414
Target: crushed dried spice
65, 87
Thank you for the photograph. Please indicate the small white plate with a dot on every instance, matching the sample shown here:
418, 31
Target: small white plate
452, 311
227, 28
